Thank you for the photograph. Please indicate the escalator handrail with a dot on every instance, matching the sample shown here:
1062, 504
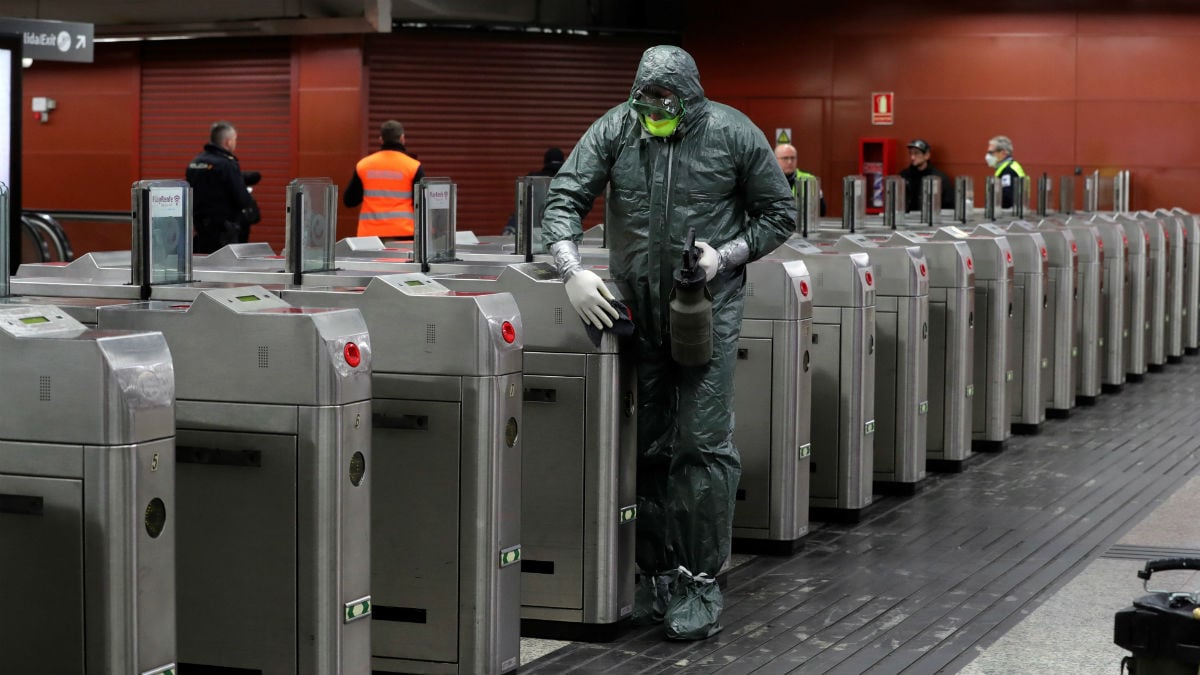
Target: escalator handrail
85, 215
59, 235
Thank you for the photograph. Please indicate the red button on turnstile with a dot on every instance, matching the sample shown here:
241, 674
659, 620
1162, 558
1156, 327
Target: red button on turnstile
353, 357
508, 332
922, 269
804, 288
970, 264
870, 279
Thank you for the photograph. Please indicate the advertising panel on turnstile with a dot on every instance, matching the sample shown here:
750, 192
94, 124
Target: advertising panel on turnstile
10, 142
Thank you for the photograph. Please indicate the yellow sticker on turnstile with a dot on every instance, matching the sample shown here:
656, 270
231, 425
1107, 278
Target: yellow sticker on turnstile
357, 609
627, 515
510, 555
805, 450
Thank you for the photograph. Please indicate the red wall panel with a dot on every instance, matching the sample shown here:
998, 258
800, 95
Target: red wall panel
1072, 88
85, 156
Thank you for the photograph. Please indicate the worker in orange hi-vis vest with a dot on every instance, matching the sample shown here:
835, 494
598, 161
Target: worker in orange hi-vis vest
383, 184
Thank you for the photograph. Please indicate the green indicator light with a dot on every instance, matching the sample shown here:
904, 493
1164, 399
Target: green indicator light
510, 556
970, 390
248, 298
357, 609
806, 450
870, 427
924, 407
1008, 377
1074, 351
34, 319
1045, 362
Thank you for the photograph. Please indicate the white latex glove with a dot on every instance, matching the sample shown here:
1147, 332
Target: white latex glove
709, 260
589, 296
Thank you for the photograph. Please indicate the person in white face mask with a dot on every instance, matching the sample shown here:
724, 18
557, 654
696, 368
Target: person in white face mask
1008, 170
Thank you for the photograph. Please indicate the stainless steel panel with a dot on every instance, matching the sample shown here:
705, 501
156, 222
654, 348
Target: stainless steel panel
237, 552
553, 471
124, 561
415, 565
1136, 329
48, 573
334, 521
754, 389
828, 480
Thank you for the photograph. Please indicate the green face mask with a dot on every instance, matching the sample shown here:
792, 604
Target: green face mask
660, 128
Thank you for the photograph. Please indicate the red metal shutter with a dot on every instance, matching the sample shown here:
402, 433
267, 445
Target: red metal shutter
189, 84
482, 108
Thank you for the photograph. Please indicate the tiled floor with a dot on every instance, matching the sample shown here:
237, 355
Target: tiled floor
926, 584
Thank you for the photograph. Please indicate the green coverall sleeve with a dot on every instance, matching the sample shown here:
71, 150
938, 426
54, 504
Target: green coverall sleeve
580, 180
769, 202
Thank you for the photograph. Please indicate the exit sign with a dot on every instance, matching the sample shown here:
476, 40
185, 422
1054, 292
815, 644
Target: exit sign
883, 107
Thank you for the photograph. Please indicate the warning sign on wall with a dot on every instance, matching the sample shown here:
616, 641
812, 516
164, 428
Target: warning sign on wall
883, 107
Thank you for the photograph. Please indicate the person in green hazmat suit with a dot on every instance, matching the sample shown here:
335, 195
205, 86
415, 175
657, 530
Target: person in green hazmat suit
675, 160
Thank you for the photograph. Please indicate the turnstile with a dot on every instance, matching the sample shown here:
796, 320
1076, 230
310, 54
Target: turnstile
87, 497
1061, 322
951, 348
843, 379
1175, 244
775, 346
901, 360
1191, 279
577, 529
996, 359
1088, 309
1031, 301
1141, 297
272, 417
1114, 295
446, 441
1158, 269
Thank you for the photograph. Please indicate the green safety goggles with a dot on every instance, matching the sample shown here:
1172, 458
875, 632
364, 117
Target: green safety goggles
655, 105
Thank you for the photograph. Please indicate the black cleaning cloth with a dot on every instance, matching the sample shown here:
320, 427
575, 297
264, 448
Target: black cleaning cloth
622, 326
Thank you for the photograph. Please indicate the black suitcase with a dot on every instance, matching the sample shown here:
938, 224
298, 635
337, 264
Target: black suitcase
1162, 629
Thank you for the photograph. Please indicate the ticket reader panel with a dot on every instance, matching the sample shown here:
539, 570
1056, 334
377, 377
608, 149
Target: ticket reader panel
273, 410
90, 505
1113, 289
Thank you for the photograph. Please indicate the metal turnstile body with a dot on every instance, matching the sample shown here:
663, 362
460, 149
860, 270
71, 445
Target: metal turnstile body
1114, 294
774, 422
1191, 279
580, 419
996, 359
447, 435
951, 347
1060, 343
1140, 302
87, 497
1175, 252
1158, 267
1088, 308
843, 378
901, 358
1026, 408
272, 417
577, 531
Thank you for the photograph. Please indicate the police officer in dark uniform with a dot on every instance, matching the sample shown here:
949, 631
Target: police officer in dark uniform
918, 168
222, 208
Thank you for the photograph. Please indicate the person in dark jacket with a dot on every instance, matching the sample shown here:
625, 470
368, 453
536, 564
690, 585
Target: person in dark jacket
551, 161
222, 208
674, 160
918, 168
